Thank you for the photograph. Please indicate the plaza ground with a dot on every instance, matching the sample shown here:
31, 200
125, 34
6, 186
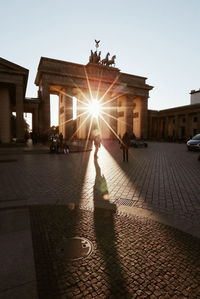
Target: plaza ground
141, 218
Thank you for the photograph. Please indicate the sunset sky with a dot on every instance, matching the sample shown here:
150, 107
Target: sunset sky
157, 39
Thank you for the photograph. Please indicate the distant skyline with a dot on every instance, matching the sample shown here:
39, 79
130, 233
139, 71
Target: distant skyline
150, 38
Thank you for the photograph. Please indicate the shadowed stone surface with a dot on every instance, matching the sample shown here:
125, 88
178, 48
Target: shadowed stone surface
132, 257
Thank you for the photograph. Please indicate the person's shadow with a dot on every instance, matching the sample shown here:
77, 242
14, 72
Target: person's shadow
104, 224
100, 185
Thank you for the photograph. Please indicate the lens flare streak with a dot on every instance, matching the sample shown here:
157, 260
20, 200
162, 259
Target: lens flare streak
94, 108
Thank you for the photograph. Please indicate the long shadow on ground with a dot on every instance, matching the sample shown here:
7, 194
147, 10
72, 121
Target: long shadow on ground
106, 238
131, 257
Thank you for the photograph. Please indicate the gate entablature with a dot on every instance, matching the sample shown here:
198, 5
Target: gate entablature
62, 73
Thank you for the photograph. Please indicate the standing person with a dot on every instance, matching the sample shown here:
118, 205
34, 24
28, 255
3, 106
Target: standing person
60, 141
34, 137
97, 144
60, 138
125, 145
65, 147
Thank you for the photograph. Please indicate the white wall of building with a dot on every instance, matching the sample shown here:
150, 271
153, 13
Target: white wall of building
195, 97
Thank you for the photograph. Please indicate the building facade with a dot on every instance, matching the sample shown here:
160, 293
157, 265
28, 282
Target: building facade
178, 123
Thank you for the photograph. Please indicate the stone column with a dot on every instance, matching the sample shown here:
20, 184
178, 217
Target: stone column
19, 113
144, 117
68, 112
45, 109
176, 127
159, 123
187, 126
113, 118
128, 113
5, 116
84, 127
149, 132
156, 124
35, 120
166, 134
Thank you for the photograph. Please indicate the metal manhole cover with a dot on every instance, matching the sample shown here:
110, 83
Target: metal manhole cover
76, 248
124, 202
8, 160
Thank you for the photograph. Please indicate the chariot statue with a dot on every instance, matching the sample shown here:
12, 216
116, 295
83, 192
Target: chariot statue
95, 57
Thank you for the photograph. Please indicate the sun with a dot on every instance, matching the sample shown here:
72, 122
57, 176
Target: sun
94, 108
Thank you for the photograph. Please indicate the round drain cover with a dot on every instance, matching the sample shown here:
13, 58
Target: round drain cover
76, 248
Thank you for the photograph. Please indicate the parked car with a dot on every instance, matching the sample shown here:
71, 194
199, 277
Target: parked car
194, 143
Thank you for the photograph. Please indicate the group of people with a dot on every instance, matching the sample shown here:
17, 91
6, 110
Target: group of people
58, 144
124, 145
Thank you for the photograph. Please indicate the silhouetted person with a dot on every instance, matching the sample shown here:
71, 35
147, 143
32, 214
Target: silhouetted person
61, 138
26, 136
34, 137
125, 146
65, 147
97, 144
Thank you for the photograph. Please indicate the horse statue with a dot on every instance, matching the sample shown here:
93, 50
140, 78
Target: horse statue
105, 60
99, 57
91, 57
111, 61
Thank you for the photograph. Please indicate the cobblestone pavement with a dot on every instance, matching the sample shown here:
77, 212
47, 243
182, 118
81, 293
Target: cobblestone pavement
163, 178
133, 256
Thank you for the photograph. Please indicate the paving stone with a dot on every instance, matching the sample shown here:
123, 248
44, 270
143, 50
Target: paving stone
115, 254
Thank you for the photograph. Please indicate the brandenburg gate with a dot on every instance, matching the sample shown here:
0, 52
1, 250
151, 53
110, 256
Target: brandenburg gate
124, 97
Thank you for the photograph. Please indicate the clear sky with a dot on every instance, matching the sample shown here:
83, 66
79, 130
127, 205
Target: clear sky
157, 39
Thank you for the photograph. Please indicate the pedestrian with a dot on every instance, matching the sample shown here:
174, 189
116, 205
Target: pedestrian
97, 144
60, 138
34, 137
65, 147
60, 142
125, 146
